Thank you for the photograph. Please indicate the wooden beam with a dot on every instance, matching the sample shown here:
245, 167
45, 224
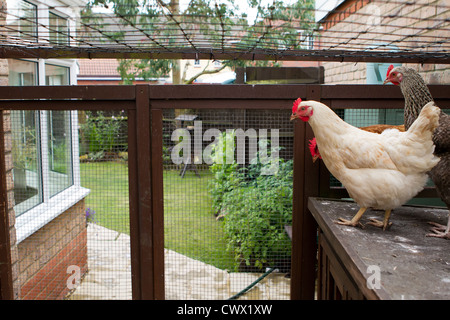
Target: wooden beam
188, 53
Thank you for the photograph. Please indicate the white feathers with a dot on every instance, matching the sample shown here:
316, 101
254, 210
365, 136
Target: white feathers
381, 171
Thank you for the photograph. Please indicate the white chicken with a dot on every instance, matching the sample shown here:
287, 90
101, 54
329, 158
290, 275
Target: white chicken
379, 171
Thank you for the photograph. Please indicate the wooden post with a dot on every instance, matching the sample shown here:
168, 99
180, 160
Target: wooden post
304, 227
6, 279
144, 186
158, 203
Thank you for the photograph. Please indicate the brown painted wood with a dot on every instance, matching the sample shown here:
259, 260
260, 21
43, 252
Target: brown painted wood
158, 202
134, 206
6, 281
144, 164
412, 265
219, 54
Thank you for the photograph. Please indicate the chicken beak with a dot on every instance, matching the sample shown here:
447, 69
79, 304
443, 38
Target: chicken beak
386, 81
293, 116
314, 158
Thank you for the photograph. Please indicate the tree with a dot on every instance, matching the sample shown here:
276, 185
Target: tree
278, 26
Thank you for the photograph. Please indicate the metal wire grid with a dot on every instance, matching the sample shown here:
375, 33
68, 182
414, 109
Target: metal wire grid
71, 216
93, 234
204, 258
403, 30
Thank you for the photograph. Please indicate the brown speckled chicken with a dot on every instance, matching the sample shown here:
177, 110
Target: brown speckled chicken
417, 95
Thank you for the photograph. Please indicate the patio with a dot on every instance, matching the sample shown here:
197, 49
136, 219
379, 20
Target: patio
109, 275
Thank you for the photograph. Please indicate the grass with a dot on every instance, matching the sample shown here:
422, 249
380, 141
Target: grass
108, 182
190, 227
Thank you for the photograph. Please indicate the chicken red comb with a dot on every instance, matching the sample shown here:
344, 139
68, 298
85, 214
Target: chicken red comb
296, 103
389, 70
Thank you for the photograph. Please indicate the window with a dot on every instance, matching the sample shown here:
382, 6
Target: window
25, 131
22, 16
26, 164
45, 148
59, 136
22, 73
31, 130
56, 75
59, 29
28, 132
59, 151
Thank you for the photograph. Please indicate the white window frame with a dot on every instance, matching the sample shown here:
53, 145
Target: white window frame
51, 207
66, 19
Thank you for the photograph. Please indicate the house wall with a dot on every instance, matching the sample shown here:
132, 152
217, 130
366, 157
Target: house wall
386, 13
45, 256
39, 262
9, 181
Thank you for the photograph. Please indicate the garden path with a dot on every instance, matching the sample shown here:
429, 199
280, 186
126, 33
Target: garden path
109, 276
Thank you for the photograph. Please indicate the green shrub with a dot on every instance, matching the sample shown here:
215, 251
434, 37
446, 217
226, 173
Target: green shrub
102, 132
255, 206
255, 218
226, 176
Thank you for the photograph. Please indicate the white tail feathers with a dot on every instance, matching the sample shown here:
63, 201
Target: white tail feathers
426, 122
417, 146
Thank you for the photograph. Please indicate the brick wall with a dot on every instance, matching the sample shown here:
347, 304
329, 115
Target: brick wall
45, 255
39, 263
388, 30
9, 180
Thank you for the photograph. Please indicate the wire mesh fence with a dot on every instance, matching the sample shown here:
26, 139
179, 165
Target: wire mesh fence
224, 223
227, 189
417, 31
71, 204
227, 201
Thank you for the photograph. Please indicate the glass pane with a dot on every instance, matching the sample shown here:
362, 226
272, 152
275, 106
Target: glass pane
59, 31
26, 169
25, 138
22, 16
59, 151
22, 73
56, 75
59, 136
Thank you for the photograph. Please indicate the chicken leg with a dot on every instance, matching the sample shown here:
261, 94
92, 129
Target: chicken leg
385, 223
440, 231
355, 220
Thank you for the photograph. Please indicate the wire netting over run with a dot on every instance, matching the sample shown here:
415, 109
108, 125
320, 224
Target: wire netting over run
410, 31
227, 203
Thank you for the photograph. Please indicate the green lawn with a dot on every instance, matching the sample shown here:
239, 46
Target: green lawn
189, 224
108, 182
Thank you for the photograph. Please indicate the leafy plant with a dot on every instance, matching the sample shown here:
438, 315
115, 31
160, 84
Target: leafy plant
224, 168
102, 132
256, 216
255, 206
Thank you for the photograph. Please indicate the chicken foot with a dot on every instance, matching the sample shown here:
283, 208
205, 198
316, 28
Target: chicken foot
440, 231
384, 224
355, 220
